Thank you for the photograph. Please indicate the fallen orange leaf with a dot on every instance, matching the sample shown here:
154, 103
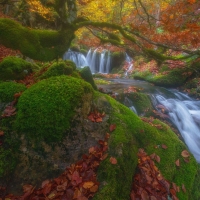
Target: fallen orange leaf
185, 153
1, 133
183, 188
177, 163
113, 160
164, 146
94, 188
88, 184
112, 127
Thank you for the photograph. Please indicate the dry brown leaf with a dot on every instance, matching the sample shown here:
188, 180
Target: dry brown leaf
153, 198
112, 127
183, 188
185, 154
113, 160
187, 160
177, 163
1, 133
164, 146
157, 158
45, 182
94, 188
144, 195
52, 195
104, 156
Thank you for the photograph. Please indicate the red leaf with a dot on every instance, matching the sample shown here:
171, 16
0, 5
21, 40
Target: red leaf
157, 158
112, 127
133, 196
183, 188
91, 150
164, 146
107, 136
94, 188
1, 133
99, 119
113, 160
46, 189
185, 154
76, 177
144, 195
104, 156
177, 163
45, 182
187, 160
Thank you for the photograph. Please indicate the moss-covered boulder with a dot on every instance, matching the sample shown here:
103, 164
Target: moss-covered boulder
8, 89
45, 109
174, 78
59, 68
13, 68
86, 74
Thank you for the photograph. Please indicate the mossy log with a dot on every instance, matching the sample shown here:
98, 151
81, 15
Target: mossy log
44, 45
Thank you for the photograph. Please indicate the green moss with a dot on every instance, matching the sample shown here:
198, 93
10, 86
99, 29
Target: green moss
76, 74
8, 89
86, 74
117, 179
142, 75
46, 108
59, 68
131, 134
141, 102
174, 78
195, 193
100, 81
42, 45
7, 162
13, 68
117, 59
192, 83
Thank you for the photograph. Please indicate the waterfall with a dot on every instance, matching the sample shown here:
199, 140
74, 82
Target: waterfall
129, 63
78, 58
98, 60
182, 110
185, 114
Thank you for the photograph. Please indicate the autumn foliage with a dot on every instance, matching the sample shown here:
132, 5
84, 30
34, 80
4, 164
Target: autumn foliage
149, 183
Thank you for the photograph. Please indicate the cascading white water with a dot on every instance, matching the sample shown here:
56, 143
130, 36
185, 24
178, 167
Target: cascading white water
78, 58
98, 61
129, 63
185, 114
182, 110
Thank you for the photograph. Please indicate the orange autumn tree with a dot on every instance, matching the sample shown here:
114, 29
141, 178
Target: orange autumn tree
141, 26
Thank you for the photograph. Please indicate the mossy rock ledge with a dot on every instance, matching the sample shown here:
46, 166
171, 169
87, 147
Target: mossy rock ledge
52, 125
173, 78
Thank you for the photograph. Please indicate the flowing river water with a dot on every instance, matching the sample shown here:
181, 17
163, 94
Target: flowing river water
182, 110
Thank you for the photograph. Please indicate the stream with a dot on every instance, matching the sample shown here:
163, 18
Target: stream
182, 110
